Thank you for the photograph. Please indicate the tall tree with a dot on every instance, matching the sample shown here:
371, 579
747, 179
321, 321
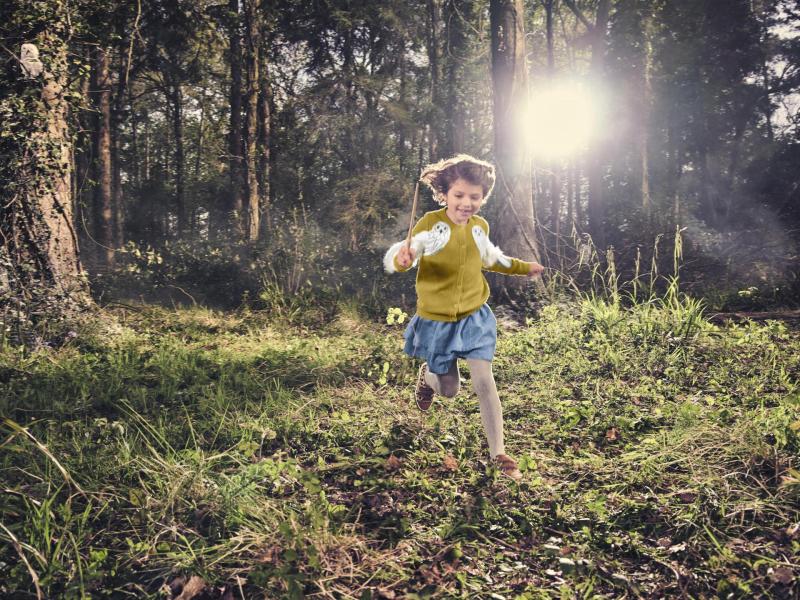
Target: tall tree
595, 159
235, 149
40, 271
553, 166
436, 113
252, 29
103, 213
264, 130
515, 221
458, 20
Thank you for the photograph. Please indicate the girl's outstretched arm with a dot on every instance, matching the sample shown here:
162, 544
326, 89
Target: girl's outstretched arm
495, 260
392, 259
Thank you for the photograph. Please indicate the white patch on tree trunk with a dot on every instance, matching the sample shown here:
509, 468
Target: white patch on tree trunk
29, 58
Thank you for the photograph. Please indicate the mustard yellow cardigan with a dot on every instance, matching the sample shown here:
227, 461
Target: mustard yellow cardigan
450, 259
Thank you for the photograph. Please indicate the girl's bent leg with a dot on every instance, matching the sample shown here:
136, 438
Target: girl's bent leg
446, 385
491, 411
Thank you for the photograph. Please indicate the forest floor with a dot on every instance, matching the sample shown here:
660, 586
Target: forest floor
200, 454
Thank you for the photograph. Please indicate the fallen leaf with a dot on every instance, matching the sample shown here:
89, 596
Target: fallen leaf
687, 496
450, 463
393, 463
193, 587
782, 575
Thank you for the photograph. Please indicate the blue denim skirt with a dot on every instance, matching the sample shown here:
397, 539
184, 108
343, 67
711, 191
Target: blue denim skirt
439, 343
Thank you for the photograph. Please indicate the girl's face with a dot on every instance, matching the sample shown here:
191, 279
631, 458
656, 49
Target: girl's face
463, 200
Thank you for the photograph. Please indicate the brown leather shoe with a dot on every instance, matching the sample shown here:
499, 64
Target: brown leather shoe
508, 466
423, 393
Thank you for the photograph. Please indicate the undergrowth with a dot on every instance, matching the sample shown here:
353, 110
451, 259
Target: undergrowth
250, 455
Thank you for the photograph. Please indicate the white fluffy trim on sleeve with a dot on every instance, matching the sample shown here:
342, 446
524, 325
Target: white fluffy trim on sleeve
418, 245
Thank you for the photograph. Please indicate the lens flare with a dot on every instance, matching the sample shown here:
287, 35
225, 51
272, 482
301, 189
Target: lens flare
561, 118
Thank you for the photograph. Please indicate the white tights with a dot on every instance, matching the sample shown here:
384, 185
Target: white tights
483, 383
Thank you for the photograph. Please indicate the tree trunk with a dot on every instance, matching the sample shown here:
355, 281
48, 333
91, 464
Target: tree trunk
251, 116
647, 98
103, 211
576, 181
458, 15
235, 151
40, 271
197, 160
515, 227
84, 149
571, 195
433, 60
176, 93
595, 168
554, 187
400, 146
596, 184
117, 118
264, 132
136, 176
200, 134
147, 152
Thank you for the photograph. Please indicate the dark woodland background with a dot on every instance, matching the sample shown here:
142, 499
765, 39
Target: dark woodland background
218, 148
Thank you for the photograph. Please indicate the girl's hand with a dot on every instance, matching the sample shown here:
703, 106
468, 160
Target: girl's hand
536, 269
405, 256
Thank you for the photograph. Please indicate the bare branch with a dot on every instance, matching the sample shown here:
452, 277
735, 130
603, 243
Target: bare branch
581, 17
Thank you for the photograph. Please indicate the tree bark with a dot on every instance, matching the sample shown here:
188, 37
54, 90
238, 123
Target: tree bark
595, 168
515, 226
40, 270
433, 60
176, 93
84, 150
554, 180
400, 146
264, 132
458, 14
235, 151
647, 98
252, 34
103, 211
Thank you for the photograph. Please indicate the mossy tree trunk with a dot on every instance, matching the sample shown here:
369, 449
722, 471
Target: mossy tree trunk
40, 270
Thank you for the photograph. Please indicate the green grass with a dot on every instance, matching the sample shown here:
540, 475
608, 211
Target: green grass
659, 454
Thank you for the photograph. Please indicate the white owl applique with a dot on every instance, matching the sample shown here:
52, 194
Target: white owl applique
490, 254
425, 243
435, 239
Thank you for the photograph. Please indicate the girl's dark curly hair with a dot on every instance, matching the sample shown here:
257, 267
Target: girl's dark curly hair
441, 175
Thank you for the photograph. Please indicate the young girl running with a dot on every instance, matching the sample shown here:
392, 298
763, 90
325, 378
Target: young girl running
450, 246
